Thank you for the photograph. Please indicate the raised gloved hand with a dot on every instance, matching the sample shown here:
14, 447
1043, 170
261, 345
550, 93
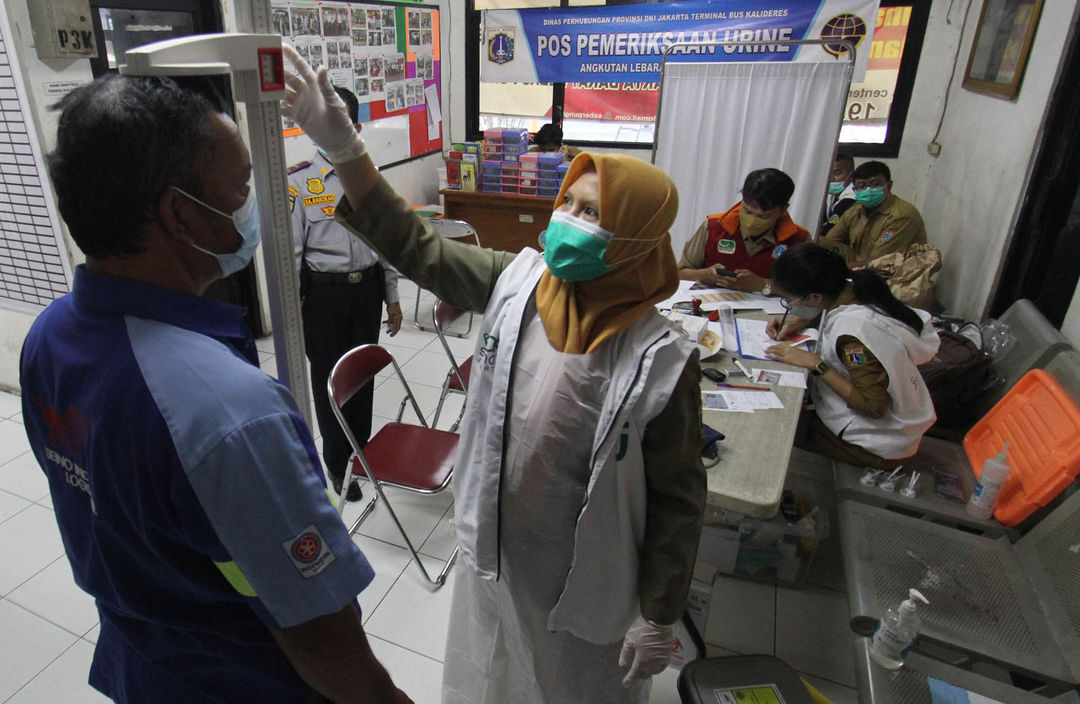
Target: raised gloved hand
648, 646
310, 101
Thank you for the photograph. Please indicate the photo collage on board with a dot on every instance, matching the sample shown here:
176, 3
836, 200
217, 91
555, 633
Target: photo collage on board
358, 43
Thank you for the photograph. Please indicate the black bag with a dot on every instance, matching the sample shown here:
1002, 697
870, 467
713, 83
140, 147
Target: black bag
958, 373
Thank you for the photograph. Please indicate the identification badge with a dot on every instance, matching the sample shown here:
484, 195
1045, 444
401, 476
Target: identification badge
315, 185
726, 246
320, 200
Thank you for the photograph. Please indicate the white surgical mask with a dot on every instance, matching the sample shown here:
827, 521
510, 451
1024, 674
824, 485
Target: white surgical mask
246, 221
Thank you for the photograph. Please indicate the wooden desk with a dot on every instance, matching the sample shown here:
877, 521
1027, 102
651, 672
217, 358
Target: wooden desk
504, 221
754, 455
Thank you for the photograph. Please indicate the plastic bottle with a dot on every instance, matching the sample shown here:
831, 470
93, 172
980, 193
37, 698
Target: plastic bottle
994, 472
897, 632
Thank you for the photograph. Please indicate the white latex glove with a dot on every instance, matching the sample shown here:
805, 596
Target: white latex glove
649, 647
310, 101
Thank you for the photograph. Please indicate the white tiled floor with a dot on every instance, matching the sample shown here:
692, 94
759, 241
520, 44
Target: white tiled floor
49, 626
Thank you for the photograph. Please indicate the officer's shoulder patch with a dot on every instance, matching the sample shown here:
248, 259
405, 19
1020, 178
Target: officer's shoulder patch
297, 167
856, 355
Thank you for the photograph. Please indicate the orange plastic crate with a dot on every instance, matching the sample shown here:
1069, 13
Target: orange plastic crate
1041, 423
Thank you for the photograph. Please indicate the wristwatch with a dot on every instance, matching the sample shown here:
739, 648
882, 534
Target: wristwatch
766, 290
820, 368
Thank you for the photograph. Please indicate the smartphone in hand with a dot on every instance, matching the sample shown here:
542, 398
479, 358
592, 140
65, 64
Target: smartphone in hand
721, 271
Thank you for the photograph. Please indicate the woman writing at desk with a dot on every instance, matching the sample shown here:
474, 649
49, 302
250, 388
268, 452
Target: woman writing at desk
871, 406
578, 485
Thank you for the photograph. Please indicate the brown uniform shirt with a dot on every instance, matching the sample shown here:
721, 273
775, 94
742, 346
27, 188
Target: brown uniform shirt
862, 235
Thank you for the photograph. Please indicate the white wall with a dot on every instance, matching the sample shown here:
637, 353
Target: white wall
35, 73
970, 194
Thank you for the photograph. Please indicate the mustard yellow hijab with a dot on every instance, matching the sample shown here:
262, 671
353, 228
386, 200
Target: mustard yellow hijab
637, 201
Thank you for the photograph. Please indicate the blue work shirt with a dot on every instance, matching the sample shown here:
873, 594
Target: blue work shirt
188, 491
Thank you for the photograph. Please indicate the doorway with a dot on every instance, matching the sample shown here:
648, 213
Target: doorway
1042, 262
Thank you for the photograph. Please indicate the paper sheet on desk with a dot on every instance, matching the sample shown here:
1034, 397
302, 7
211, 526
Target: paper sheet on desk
736, 401
774, 377
753, 340
722, 298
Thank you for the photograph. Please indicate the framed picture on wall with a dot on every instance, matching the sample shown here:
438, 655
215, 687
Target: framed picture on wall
1003, 41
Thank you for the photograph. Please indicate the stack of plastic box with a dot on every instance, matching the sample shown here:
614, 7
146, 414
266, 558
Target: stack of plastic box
547, 184
492, 175
514, 143
528, 173
560, 171
510, 176
493, 144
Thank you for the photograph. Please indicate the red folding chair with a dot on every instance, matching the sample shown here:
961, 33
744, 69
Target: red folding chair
407, 456
457, 378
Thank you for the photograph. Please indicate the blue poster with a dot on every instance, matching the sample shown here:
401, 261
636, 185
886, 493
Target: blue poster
626, 43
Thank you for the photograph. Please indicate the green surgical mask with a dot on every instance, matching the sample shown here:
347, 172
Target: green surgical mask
870, 197
574, 248
836, 188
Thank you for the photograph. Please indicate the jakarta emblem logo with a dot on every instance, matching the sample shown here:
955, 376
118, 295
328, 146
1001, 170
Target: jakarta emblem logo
500, 44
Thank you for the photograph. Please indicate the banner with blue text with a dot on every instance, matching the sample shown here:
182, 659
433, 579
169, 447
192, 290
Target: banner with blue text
626, 43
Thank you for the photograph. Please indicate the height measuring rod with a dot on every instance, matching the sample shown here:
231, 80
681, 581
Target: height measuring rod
254, 62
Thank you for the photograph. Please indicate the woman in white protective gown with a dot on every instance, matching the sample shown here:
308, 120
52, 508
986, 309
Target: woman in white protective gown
578, 486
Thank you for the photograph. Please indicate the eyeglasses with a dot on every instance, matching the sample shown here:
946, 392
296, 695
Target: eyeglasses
788, 302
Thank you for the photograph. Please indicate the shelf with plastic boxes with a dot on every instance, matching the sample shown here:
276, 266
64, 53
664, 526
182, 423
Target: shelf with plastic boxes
561, 169
512, 152
518, 136
510, 176
529, 161
492, 151
493, 136
551, 160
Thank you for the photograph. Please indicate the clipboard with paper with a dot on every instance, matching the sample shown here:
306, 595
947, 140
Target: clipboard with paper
753, 340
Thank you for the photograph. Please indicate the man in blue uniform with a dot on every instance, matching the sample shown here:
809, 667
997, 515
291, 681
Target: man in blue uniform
342, 285
186, 485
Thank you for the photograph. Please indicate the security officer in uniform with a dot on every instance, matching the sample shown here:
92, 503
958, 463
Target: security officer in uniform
342, 287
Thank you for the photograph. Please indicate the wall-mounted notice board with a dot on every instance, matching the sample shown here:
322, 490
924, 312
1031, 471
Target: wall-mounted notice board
388, 55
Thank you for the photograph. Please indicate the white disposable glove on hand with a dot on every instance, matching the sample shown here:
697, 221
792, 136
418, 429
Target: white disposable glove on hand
310, 101
649, 647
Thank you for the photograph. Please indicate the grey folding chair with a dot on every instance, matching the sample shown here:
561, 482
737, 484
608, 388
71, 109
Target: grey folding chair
457, 378
455, 230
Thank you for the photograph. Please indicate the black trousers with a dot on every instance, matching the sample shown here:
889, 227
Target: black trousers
338, 317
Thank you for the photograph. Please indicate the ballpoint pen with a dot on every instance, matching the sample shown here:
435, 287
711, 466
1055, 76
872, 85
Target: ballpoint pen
724, 384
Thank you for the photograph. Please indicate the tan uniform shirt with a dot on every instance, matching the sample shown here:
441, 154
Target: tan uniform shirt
862, 235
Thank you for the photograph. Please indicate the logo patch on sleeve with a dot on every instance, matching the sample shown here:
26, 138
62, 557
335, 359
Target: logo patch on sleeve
856, 356
309, 552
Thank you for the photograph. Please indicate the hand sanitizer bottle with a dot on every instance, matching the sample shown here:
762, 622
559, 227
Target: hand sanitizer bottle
897, 632
994, 472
